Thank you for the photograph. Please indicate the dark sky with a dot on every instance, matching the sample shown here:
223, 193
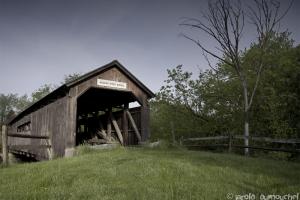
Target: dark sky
41, 41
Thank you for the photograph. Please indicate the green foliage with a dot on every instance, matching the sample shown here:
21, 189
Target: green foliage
71, 77
12, 104
212, 103
7, 106
22, 103
176, 111
148, 174
276, 106
208, 105
41, 92
168, 119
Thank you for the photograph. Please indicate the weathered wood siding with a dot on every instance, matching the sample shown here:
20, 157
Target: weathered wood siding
46, 121
113, 74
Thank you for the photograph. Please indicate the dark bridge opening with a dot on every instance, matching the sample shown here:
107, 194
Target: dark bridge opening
103, 116
24, 158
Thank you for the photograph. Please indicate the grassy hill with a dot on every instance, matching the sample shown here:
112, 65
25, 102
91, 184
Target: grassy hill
149, 174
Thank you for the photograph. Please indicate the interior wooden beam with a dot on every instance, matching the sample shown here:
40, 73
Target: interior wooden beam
125, 124
115, 124
137, 133
108, 124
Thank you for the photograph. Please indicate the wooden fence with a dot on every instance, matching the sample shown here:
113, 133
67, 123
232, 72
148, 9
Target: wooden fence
228, 141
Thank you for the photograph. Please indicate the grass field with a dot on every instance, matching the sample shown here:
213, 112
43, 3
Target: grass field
149, 174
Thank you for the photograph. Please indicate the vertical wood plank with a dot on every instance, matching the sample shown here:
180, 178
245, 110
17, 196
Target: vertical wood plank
145, 118
4, 145
50, 149
74, 120
125, 124
108, 124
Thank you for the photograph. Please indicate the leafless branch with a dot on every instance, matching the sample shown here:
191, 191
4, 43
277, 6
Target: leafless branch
265, 18
205, 50
224, 23
208, 61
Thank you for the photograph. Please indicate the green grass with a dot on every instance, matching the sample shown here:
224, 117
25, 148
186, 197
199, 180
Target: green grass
148, 174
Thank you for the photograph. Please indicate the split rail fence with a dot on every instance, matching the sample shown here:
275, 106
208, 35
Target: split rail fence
230, 140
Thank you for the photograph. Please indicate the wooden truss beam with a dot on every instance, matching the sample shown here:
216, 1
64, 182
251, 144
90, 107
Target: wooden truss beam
115, 124
137, 133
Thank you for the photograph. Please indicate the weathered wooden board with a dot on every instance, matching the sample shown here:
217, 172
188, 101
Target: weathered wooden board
44, 121
136, 131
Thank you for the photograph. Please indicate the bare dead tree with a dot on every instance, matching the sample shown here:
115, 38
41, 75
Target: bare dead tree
224, 23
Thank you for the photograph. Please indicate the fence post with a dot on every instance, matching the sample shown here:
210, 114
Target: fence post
229, 142
180, 141
173, 132
4, 145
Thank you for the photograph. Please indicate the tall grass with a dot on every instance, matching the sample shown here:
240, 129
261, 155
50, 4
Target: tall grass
136, 173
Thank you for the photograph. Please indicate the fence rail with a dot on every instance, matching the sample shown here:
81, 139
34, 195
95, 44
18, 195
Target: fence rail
231, 138
266, 139
206, 138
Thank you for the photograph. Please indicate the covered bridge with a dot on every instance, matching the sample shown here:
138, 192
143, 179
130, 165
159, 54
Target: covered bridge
92, 109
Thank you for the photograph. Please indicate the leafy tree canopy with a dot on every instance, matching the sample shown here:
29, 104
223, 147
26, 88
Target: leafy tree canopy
212, 102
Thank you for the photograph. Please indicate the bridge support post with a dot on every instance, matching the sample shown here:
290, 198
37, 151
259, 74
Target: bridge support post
4, 145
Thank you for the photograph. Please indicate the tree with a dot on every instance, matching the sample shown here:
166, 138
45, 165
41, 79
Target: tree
7, 103
212, 102
71, 77
176, 110
11, 105
22, 103
179, 89
277, 104
41, 92
224, 24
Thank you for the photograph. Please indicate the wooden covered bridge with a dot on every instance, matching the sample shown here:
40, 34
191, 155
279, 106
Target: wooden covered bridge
92, 109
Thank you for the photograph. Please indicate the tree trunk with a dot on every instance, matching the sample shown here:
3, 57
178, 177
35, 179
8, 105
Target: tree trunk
246, 133
246, 118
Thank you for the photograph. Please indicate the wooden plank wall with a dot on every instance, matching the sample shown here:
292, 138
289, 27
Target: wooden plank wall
111, 74
46, 121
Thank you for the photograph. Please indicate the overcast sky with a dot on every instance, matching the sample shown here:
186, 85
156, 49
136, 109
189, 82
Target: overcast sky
41, 41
